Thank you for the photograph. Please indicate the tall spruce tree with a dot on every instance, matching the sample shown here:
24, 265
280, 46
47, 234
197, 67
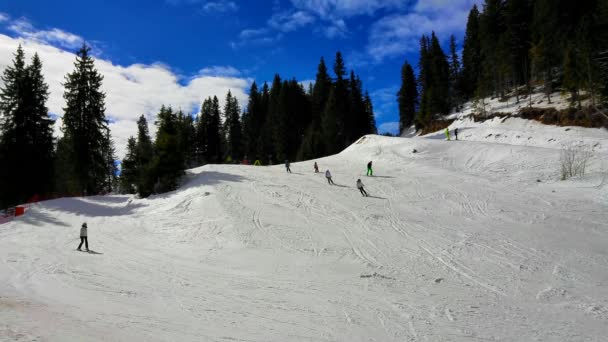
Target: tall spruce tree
168, 163
471, 55
233, 128
407, 97
312, 145
454, 89
144, 155
26, 138
128, 170
253, 121
85, 127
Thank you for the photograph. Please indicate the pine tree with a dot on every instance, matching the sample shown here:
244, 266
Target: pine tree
186, 137
253, 121
85, 127
344, 122
545, 47
357, 114
492, 27
273, 128
471, 55
407, 97
109, 152
312, 145
213, 132
26, 139
144, 155
369, 111
518, 17
168, 163
454, 89
234, 138
129, 171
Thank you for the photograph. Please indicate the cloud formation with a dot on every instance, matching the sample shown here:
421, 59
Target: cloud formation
215, 7
332, 9
23, 28
130, 90
399, 33
4, 17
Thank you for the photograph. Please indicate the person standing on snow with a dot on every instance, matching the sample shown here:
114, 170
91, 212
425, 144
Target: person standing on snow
447, 134
316, 168
328, 176
83, 237
370, 172
287, 165
360, 187
456, 133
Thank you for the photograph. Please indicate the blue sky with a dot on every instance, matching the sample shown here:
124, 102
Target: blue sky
179, 51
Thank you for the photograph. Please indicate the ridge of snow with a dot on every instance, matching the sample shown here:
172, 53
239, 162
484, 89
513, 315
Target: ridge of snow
462, 240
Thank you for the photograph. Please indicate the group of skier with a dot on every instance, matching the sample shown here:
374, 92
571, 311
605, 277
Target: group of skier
360, 185
447, 133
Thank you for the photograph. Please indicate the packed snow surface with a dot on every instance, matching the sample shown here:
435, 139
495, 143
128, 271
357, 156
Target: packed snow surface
461, 241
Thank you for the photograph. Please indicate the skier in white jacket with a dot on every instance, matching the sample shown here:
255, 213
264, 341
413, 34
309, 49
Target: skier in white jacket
328, 176
83, 237
360, 187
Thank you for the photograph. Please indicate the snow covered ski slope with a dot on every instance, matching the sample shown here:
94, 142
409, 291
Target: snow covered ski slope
462, 241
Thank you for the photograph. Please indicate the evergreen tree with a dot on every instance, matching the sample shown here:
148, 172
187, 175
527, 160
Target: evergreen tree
454, 89
253, 121
369, 110
168, 163
407, 97
109, 153
518, 17
85, 127
186, 137
26, 140
357, 114
471, 55
344, 122
213, 132
144, 154
273, 128
312, 145
492, 27
545, 49
129, 172
234, 138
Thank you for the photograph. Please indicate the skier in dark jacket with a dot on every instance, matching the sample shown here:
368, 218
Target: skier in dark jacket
370, 172
316, 168
360, 187
287, 165
456, 133
83, 237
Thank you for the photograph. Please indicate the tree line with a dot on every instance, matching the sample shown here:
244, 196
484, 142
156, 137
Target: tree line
282, 121
509, 48
33, 162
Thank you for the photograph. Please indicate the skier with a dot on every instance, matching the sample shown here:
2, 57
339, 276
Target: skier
447, 134
360, 187
370, 172
456, 133
316, 168
83, 237
287, 165
328, 176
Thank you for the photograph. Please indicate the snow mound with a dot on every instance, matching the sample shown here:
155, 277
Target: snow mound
462, 240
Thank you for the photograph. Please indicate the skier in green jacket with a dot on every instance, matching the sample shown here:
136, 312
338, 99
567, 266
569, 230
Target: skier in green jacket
447, 134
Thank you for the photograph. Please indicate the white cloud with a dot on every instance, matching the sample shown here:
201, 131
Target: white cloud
23, 28
256, 37
390, 127
214, 7
218, 70
330, 9
130, 90
399, 33
287, 22
4, 17
336, 29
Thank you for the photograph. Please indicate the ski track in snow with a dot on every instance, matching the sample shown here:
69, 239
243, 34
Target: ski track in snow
460, 243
